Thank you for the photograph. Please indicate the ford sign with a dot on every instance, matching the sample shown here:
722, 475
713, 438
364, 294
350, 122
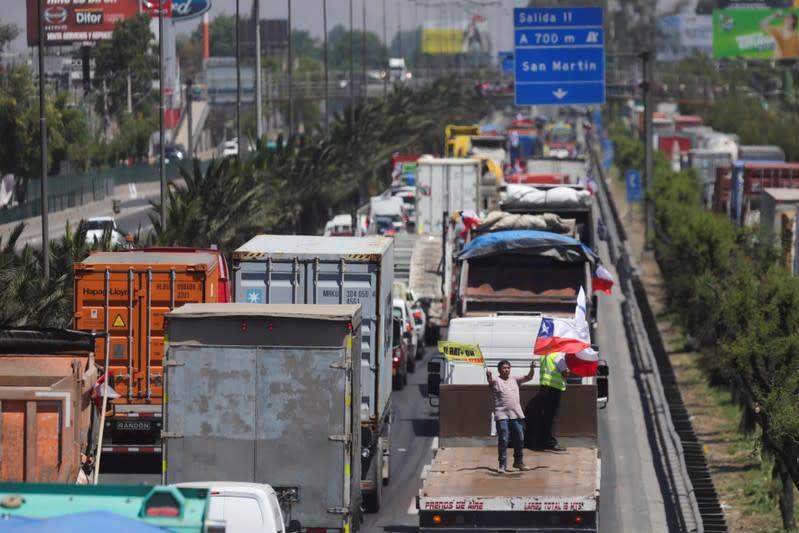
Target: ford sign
184, 9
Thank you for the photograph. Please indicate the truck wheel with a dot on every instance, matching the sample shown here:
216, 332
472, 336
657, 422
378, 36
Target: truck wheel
371, 501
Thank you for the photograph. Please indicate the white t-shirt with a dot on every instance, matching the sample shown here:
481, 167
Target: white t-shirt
506, 399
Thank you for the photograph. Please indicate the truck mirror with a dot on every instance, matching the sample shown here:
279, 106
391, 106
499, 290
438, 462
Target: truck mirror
433, 384
433, 378
602, 382
294, 527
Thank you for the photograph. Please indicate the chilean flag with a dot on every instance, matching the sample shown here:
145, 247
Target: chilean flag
572, 337
602, 280
559, 335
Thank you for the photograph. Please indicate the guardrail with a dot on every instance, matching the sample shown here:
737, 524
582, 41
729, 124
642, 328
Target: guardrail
682, 465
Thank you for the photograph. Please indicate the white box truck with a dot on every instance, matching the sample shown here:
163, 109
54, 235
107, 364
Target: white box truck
254, 398
299, 269
445, 186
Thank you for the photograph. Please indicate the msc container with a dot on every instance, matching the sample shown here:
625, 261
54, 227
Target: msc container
124, 296
46, 412
264, 393
299, 269
445, 186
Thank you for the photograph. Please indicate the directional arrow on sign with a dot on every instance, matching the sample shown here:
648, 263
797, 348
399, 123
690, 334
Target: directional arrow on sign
560, 93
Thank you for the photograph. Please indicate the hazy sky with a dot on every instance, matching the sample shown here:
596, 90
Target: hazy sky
307, 15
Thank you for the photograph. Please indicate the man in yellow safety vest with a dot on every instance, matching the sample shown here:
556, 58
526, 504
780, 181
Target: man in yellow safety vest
554, 372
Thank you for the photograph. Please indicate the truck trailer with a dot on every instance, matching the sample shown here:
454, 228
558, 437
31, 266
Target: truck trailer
122, 298
299, 269
462, 490
264, 394
443, 188
48, 423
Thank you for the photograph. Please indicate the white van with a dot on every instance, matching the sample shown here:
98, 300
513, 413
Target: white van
244, 507
339, 225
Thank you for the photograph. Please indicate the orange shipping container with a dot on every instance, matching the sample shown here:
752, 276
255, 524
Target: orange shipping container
125, 295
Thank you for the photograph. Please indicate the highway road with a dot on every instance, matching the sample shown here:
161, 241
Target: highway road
631, 497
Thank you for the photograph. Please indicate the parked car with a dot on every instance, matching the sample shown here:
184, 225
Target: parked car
96, 228
402, 310
399, 354
244, 507
400, 290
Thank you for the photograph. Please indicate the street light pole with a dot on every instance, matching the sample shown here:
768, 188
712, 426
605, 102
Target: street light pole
384, 68
327, 98
161, 111
649, 155
189, 99
291, 89
363, 53
239, 140
259, 112
352, 70
43, 148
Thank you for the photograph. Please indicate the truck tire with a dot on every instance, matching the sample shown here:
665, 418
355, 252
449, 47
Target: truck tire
372, 500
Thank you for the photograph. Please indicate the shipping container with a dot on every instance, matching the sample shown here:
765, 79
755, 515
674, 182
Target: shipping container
778, 222
124, 296
254, 396
704, 163
47, 419
300, 269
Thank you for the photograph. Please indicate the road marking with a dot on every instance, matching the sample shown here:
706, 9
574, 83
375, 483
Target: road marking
412, 509
402, 449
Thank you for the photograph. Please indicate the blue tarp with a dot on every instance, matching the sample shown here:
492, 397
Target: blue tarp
96, 521
529, 242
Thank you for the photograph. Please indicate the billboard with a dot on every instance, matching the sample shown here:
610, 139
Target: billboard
706, 7
72, 21
755, 33
447, 37
680, 36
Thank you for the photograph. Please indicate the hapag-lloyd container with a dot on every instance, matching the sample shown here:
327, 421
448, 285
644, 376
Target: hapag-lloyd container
126, 294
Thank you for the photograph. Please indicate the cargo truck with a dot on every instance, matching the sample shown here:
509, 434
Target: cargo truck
778, 223
704, 163
65, 507
122, 297
462, 491
264, 393
444, 187
576, 168
48, 423
298, 269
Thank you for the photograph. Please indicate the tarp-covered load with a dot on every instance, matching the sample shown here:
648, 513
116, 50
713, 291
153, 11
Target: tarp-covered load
521, 198
501, 221
529, 242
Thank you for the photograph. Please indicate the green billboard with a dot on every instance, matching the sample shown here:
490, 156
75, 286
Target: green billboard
755, 33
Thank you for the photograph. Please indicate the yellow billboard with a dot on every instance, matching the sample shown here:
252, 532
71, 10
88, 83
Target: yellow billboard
442, 37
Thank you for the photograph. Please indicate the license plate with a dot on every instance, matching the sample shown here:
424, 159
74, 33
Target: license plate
134, 425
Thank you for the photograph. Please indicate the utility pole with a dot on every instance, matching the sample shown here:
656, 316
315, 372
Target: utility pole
259, 112
239, 140
161, 111
189, 99
43, 148
363, 53
649, 171
352, 71
327, 97
291, 85
384, 67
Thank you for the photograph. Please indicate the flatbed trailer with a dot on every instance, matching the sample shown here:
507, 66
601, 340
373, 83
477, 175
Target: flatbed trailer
462, 491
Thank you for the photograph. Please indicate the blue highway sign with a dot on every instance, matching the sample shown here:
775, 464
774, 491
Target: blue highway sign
559, 56
635, 189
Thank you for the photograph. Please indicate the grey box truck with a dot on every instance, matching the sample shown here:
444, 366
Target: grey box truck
300, 269
264, 393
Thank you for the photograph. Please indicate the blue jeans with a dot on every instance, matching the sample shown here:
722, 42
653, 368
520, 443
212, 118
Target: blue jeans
504, 429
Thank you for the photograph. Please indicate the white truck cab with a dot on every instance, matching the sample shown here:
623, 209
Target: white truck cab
502, 336
244, 507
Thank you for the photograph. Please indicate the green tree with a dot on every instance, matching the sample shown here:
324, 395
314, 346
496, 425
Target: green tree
221, 36
130, 54
339, 51
8, 32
